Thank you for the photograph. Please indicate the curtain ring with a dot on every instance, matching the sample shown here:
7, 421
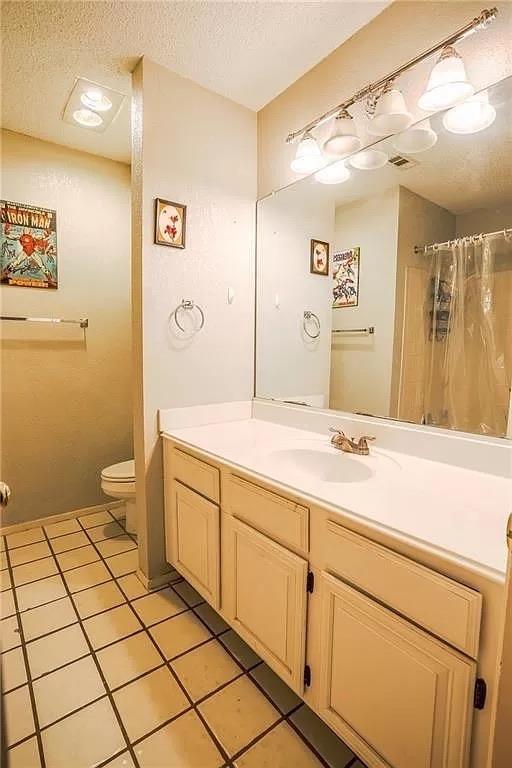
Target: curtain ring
189, 306
311, 316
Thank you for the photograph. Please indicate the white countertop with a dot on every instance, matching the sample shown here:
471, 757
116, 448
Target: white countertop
455, 512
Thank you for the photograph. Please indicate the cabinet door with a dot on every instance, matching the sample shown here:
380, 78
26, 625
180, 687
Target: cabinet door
264, 597
192, 539
402, 698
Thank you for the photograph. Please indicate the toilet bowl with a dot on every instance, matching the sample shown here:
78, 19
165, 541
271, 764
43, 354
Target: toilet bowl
118, 481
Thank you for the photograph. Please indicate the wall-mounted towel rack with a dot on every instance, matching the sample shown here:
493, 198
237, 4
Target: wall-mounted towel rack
310, 316
83, 322
187, 305
369, 331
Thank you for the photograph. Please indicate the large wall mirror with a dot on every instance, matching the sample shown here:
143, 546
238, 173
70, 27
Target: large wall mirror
389, 291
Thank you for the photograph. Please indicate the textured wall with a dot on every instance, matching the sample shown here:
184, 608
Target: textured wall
66, 401
194, 147
398, 34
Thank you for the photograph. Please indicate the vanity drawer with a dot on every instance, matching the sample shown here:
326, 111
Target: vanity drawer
194, 473
438, 604
279, 518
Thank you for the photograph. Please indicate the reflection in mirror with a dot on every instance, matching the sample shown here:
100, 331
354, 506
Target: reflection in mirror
413, 317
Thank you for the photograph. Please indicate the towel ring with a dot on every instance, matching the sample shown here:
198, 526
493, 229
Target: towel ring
311, 316
188, 305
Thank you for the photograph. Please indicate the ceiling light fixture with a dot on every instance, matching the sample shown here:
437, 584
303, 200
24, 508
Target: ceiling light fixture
369, 160
97, 100
343, 139
448, 83
336, 173
391, 114
87, 118
416, 139
308, 157
473, 115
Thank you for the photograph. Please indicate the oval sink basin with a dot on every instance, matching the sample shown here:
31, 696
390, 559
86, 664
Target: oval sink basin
330, 466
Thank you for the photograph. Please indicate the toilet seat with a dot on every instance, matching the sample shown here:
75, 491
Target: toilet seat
123, 472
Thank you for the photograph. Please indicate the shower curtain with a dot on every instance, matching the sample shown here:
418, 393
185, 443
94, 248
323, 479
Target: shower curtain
469, 335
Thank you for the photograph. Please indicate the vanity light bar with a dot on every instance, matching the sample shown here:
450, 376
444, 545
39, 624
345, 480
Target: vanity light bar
479, 22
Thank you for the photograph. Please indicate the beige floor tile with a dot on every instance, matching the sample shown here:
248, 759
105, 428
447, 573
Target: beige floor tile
67, 689
146, 703
31, 552
111, 626
25, 537
3, 561
238, 713
184, 742
116, 545
13, 669
132, 586
334, 751
5, 580
74, 558
118, 513
40, 592
7, 607
99, 598
106, 531
282, 696
25, 755
86, 576
71, 541
63, 528
211, 618
123, 761
281, 748
9, 633
240, 650
127, 562
2, 543
128, 659
97, 518
188, 594
19, 721
56, 649
84, 739
47, 618
179, 634
40, 569
158, 605
204, 669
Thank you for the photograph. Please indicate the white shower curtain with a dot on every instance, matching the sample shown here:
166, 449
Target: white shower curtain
469, 334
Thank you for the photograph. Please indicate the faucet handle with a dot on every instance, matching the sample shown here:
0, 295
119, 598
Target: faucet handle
337, 431
363, 440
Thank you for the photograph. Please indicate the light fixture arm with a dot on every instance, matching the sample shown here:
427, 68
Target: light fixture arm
481, 21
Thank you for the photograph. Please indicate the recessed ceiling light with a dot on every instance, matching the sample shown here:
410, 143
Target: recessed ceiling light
97, 100
87, 117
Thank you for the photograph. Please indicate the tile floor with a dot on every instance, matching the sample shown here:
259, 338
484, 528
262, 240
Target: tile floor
97, 671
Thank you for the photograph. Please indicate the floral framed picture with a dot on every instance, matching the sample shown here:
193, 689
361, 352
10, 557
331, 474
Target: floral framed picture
319, 258
170, 223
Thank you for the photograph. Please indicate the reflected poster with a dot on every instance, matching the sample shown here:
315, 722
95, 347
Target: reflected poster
345, 273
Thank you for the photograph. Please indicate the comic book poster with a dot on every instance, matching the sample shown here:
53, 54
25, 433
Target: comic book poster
28, 245
345, 272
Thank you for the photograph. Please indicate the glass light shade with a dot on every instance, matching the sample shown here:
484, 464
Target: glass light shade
87, 118
369, 160
308, 157
391, 115
448, 83
343, 139
95, 99
419, 138
336, 173
473, 115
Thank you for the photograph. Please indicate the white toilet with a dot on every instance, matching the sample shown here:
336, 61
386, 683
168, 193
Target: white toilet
118, 481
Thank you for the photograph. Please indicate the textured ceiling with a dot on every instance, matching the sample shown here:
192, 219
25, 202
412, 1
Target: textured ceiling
246, 51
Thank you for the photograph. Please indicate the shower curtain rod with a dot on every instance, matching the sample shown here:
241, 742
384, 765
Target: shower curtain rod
424, 248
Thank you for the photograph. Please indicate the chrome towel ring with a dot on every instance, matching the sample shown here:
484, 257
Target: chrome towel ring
311, 316
188, 306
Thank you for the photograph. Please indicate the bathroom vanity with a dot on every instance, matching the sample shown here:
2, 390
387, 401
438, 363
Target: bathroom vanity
353, 577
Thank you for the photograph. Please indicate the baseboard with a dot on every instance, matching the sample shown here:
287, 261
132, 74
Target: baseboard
17, 527
168, 577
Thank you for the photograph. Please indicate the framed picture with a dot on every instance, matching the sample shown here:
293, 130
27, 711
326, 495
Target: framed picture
28, 245
319, 258
170, 223
345, 274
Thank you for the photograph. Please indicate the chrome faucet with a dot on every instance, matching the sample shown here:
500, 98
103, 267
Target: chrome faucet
344, 443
